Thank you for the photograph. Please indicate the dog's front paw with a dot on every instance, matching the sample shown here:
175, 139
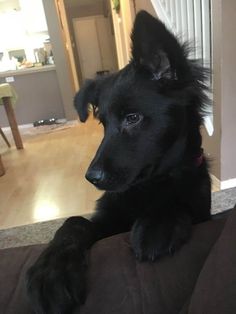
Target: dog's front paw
56, 282
151, 240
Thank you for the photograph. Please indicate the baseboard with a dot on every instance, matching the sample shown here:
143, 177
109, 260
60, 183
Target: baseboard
21, 126
228, 184
218, 185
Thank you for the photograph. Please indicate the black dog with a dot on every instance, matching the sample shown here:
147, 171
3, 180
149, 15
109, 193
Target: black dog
150, 163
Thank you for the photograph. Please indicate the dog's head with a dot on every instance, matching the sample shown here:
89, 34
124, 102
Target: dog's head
144, 109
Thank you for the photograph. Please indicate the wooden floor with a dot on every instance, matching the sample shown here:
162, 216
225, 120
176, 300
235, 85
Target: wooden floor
46, 180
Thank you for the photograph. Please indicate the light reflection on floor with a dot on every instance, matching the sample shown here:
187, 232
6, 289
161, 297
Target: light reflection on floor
45, 210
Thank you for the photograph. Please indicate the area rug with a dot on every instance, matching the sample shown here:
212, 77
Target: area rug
29, 130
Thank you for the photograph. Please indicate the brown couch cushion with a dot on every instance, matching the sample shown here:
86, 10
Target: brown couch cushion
215, 290
13, 264
117, 283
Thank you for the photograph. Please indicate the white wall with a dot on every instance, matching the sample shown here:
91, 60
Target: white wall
145, 5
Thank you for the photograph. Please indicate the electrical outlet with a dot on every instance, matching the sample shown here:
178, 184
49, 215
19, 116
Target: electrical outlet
10, 79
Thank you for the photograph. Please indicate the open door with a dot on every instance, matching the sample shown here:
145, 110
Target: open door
96, 51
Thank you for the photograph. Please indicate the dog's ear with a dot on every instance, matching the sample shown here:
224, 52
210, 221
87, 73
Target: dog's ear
156, 49
86, 95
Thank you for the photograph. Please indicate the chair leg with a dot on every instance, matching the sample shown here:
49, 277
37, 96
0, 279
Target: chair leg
4, 137
12, 121
2, 169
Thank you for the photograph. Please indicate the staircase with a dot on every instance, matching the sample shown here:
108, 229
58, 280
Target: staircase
190, 20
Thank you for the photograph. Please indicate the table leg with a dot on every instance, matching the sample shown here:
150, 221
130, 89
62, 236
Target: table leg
2, 170
12, 121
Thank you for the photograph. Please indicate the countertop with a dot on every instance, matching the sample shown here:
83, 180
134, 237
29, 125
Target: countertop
28, 70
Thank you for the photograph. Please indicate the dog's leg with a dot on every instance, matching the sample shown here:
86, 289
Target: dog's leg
56, 283
57, 280
153, 237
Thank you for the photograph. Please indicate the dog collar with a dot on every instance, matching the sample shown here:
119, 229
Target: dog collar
199, 159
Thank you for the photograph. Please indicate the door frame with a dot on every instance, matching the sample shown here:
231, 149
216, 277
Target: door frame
60, 7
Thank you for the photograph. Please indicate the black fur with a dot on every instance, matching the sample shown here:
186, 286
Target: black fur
149, 163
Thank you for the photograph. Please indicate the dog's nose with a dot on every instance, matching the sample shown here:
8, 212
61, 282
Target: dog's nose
94, 176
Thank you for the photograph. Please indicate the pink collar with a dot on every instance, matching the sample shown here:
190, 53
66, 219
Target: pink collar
199, 159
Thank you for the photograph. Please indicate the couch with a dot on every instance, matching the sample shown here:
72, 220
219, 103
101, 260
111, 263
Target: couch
199, 279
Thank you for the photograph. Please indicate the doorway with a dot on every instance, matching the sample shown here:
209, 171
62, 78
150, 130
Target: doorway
96, 51
92, 37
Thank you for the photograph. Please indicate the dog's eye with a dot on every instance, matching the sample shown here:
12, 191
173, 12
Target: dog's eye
132, 118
